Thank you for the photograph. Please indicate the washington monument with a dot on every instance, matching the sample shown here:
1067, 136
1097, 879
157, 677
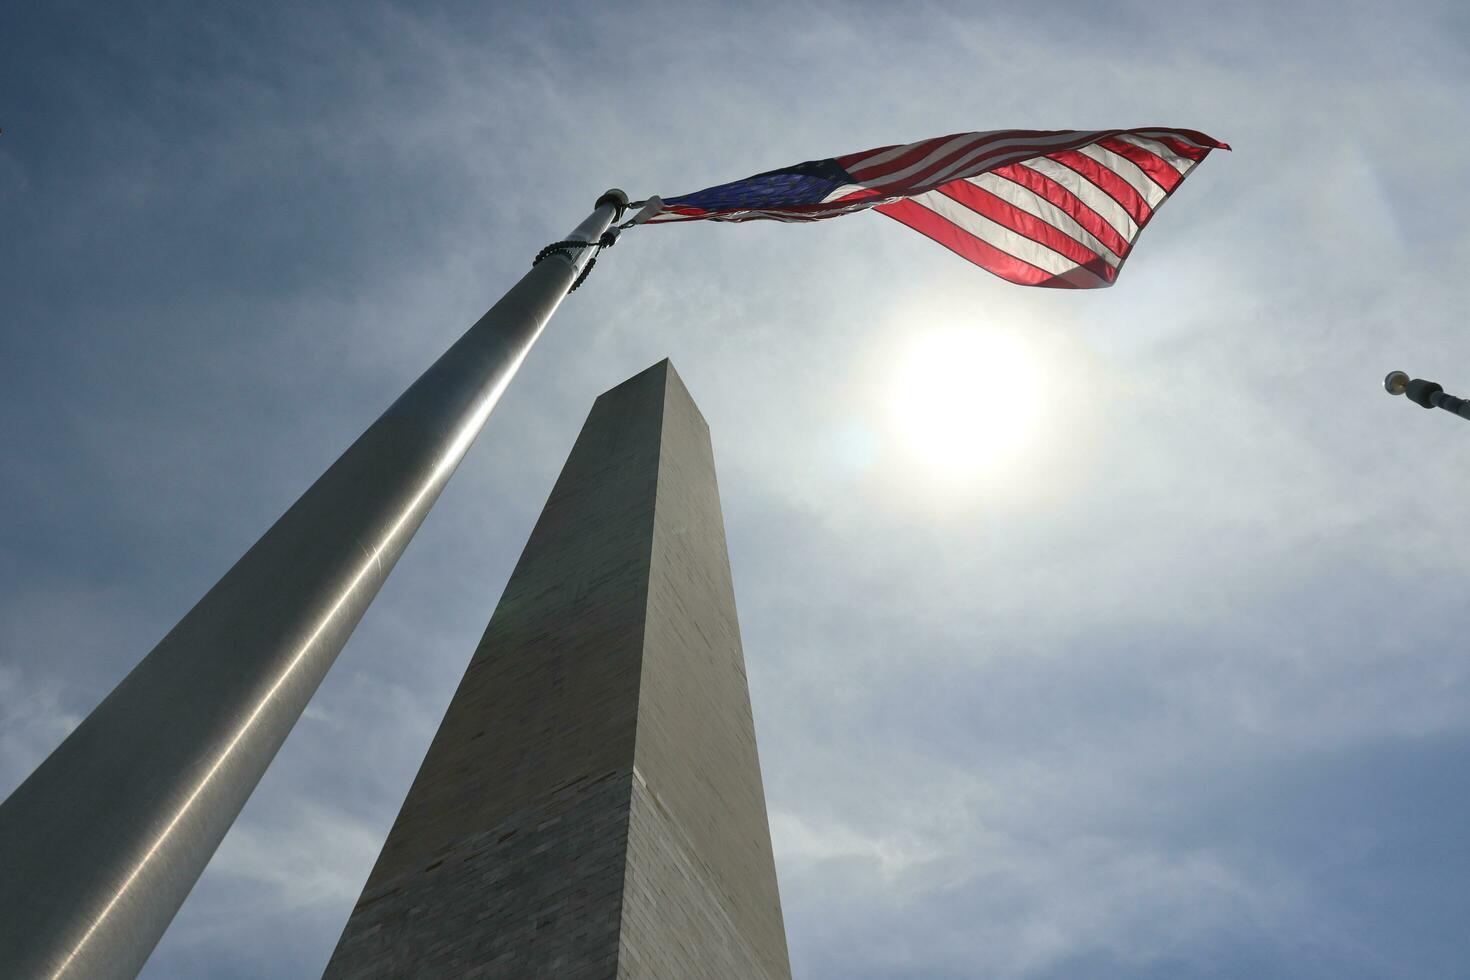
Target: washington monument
591, 805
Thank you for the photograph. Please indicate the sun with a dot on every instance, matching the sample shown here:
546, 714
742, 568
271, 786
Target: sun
966, 401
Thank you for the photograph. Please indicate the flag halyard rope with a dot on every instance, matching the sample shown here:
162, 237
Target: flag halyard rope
568, 246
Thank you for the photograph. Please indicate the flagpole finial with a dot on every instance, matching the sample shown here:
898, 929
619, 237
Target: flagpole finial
1426, 394
616, 197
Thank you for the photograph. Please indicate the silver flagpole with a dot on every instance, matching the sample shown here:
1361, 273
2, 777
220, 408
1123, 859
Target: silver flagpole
100, 846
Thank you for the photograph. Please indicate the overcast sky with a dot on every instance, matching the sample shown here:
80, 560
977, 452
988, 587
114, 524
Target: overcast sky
1160, 672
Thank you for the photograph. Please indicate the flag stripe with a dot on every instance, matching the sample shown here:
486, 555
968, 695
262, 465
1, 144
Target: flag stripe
1159, 170
870, 158
997, 235
1019, 196
933, 158
980, 252
1089, 194
999, 151
1182, 164
1185, 142
962, 147
910, 155
1068, 203
1150, 192
995, 150
1106, 181
990, 205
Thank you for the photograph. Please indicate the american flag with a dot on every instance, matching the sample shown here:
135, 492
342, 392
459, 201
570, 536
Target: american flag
1058, 208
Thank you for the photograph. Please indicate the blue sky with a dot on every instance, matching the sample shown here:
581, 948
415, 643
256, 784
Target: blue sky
1176, 687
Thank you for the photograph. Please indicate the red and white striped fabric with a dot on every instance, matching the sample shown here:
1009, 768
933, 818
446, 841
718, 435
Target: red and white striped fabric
1067, 217
1056, 208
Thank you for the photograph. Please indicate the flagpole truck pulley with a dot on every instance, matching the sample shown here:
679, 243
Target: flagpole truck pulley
102, 843
1426, 394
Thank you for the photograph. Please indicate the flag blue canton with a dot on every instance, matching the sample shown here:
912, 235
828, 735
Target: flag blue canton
804, 183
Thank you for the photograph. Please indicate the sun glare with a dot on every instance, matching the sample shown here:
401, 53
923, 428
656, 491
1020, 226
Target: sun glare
966, 401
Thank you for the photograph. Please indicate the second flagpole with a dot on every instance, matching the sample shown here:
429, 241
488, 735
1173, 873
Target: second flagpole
102, 843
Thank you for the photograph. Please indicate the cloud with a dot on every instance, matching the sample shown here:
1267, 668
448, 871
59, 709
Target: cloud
799, 845
33, 721
307, 861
